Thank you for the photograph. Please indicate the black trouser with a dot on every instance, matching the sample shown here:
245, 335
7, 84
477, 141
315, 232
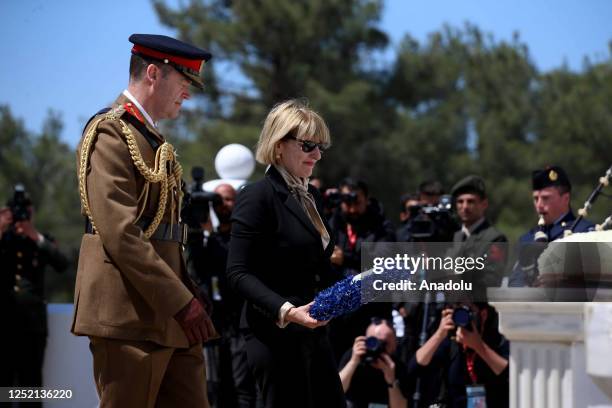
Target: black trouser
295, 368
230, 382
22, 362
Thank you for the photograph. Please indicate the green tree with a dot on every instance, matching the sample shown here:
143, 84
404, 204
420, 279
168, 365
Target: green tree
316, 49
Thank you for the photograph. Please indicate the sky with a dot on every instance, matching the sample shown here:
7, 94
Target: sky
72, 56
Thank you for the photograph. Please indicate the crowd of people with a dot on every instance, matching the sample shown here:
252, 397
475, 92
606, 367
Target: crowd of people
458, 363
245, 287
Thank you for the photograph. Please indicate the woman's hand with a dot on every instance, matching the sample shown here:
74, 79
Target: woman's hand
385, 364
446, 323
470, 338
300, 316
359, 349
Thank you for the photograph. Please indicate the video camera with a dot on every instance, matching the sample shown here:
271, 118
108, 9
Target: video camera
196, 207
434, 223
19, 204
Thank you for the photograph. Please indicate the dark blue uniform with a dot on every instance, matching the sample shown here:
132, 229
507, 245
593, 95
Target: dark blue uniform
518, 277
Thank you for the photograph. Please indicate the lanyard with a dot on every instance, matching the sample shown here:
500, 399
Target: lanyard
352, 236
469, 360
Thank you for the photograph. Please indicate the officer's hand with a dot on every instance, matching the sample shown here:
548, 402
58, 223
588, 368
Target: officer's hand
386, 364
6, 218
359, 349
446, 324
301, 316
337, 257
196, 323
26, 229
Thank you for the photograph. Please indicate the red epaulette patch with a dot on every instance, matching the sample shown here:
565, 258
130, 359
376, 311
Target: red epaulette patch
497, 253
131, 109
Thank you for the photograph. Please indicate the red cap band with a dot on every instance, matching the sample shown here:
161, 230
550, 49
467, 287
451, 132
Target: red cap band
193, 64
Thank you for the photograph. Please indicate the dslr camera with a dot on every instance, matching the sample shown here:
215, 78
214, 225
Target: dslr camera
197, 202
374, 348
19, 204
463, 317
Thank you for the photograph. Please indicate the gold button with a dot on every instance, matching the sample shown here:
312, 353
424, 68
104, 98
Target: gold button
19, 266
17, 277
16, 288
19, 254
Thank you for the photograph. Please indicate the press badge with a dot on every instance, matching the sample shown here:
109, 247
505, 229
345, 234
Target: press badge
476, 396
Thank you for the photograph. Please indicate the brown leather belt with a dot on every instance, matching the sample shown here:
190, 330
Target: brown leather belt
164, 232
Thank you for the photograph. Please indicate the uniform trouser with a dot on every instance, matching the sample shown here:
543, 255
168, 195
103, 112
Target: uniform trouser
144, 374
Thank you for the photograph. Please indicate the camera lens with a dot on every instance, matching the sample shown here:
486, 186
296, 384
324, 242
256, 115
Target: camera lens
462, 317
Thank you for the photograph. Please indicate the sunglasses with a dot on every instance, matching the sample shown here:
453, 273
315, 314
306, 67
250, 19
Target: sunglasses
308, 145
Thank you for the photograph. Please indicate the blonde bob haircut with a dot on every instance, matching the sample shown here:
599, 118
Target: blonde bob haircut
289, 118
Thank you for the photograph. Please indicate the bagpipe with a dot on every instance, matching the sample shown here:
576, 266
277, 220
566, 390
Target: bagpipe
604, 181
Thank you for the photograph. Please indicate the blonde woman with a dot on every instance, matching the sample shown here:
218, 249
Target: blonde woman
279, 257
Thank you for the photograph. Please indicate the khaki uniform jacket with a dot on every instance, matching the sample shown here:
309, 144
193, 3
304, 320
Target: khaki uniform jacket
127, 286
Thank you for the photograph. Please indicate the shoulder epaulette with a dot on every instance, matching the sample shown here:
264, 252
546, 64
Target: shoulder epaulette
129, 108
115, 113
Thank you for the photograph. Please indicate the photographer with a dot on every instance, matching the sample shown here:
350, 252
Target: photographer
230, 382
359, 219
24, 255
468, 368
426, 217
408, 205
371, 372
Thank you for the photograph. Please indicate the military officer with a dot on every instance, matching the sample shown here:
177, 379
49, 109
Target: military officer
144, 317
24, 255
551, 200
477, 236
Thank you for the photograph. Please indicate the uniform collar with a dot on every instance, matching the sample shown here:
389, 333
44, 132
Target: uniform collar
132, 99
469, 231
568, 216
122, 100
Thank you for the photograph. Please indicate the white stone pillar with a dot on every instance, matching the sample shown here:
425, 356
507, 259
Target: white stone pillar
548, 357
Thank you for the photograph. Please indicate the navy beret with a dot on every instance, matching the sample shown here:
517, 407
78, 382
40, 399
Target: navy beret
550, 176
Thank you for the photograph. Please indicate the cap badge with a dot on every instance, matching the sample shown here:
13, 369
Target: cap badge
552, 175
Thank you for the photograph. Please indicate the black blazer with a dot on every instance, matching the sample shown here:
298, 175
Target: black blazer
275, 254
